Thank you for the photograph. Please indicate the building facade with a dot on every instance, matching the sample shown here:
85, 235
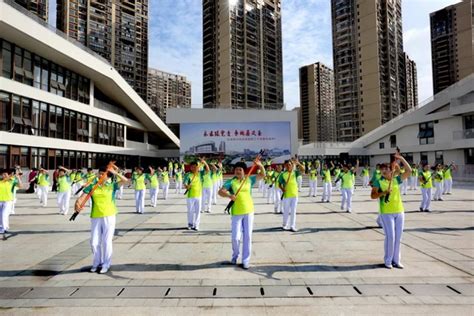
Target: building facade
452, 46
116, 30
411, 84
369, 65
62, 105
37, 7
242, 54
167, 90
318, 111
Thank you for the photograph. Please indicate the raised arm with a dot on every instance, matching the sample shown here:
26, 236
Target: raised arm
206, 166
407, 172
122, 179
260, 175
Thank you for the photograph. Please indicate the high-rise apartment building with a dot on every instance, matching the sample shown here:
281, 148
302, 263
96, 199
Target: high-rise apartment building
167, 90
369, 64
452, 46
37, 7
411, 84
242, 54
318, 111
116, 30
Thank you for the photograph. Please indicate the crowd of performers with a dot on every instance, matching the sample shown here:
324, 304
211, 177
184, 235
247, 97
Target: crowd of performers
280, 184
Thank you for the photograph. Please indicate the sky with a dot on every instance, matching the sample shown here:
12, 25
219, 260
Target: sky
175, 40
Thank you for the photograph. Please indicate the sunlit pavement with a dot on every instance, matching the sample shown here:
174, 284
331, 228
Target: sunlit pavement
333, 264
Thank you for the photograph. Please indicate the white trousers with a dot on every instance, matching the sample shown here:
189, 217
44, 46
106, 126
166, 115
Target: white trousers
179, 187
448, 184
140, 201
426, 199
153, 196
206, 199
194, 212
270, 194
119, 193
338, 185
313, 187
346, 202
5, 208
393, 229
277, 199
43, 195
404, 186
365, 181
12, 209
413, 183
438, 191
327, 190
165, 187
63, 199
215, 188
266, 189
102, 233
260, 185
242, 226
289, 212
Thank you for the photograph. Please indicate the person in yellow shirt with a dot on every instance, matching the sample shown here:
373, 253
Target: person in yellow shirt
43, 187
178, 179
193, 182
63, 189
153, 181
8, 182
140, 189
242, 210
387, 190
288, 183
165, 181
426, 184
103, 218
448, 178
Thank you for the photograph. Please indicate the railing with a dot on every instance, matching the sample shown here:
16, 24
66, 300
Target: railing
464, 134
53, 29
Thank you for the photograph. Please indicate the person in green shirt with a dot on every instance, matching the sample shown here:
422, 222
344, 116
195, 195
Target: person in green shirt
178, 179
438, 179
215, 182
288, 183
346, 177
193, 182
207, 187
10, 180
448, 177
365, 176
336, 173
165, 181
414, 177
43, 187
242, 210
152, 178
103, 217
278, 208
426, 187
78, 180
327, 183
140, 189
387, 190
313, 182
63, 190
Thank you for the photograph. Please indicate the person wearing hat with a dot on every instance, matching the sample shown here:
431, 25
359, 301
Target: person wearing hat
242, 210
43, 187
63, 190
193, 181
140, 188
10, 180
288, 183
103, 217
387, 190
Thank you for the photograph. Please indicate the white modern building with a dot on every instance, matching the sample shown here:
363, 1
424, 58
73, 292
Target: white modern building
438, 131
60, 104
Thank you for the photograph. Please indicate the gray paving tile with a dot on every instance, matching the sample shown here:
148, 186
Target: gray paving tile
97, 292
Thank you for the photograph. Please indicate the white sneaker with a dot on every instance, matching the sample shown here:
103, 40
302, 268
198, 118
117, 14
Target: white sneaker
398, 266
104, 270
93, 269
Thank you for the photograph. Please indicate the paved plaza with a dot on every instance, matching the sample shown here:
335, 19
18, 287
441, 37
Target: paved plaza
332, 265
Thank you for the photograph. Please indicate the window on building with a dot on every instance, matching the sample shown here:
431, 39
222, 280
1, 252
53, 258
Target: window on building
426, 133
5, 106
381, 145
37, 72
393, 141
44, 75
469, 156
35, 118
439, 157
6, 63
43, 126
423, 157
3, 156
469, 124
